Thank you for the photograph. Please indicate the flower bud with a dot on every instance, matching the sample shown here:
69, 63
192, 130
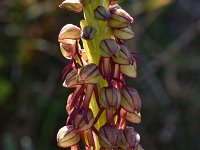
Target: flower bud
129, 138
130, 101
109, 136
125, 57
89, 74
68, 50
102, 13
112, 2
80, 123
120, 18
110, 97
123, 33
67, 136
109, 47
88, 32
71, 80
129, 70
69, 31
72, 5
133, 117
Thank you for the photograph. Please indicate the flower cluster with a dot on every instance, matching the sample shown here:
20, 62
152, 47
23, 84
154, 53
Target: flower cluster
102, 104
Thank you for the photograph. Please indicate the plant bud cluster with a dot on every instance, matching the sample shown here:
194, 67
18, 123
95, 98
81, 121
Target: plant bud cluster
120, 102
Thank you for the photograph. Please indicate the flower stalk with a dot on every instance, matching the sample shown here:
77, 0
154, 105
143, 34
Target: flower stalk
101, 105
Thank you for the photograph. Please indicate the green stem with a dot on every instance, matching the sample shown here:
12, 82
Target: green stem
93, 51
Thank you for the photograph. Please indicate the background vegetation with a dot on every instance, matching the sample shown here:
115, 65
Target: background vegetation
32, 99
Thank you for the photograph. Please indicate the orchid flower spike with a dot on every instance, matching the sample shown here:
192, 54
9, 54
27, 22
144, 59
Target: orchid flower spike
101, 105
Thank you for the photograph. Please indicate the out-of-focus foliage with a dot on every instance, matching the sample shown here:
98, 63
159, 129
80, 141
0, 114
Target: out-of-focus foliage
32, 98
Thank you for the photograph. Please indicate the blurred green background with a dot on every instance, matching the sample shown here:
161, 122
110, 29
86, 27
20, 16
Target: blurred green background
32, 99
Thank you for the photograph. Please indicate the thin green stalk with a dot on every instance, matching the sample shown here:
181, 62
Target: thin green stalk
93, 50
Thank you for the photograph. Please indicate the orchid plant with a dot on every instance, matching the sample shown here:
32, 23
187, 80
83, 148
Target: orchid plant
101, 105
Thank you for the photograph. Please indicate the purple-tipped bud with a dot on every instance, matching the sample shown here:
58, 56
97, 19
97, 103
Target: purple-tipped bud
130, 138
112, 2
110, 97
125, 57
129, 70
80, 123
67, 136
120, 18
72, 5
133, 117
89, 74
69, 31
109, 47
102, 13
109, 136
123, 33
130, 101
71, 80
88, 32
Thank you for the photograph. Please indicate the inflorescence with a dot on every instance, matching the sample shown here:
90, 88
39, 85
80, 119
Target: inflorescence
102, 104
